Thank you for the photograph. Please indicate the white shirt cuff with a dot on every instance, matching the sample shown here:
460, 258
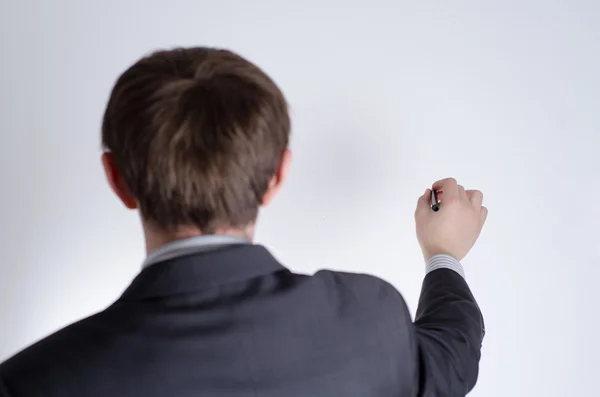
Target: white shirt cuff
444, 262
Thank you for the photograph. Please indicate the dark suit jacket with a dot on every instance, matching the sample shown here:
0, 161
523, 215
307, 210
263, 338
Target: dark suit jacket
234, 322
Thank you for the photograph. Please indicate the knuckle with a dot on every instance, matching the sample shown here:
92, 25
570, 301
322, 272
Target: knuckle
452, 200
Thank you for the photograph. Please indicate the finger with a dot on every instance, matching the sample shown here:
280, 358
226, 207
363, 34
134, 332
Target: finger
484, 214
448, 186
461, 191
475, 197
424, 201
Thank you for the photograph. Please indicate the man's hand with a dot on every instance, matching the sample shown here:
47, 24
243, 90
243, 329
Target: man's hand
453, 229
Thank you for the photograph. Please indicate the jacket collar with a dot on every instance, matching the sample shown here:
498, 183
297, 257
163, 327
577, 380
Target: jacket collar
203, 270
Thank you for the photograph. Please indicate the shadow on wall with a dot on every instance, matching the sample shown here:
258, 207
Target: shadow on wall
344, 155
17, 329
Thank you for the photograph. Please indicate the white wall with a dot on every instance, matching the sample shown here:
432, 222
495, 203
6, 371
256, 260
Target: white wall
387, 96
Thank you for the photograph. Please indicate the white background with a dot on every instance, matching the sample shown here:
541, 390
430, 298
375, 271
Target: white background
387, 96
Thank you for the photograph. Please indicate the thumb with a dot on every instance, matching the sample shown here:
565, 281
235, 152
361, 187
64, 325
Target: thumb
424, 201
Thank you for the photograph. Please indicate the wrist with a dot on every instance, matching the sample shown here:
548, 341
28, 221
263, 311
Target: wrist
430, 253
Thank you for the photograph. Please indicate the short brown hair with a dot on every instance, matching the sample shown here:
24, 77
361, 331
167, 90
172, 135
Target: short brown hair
197, 134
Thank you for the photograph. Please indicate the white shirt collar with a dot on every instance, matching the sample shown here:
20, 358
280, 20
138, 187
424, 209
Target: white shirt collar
191, 245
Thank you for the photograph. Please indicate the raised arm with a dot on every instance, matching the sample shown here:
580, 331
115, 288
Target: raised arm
448, 328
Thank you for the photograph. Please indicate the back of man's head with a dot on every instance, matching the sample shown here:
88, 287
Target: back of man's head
196, 135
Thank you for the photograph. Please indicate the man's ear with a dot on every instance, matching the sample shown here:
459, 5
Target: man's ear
280, 176
117, 183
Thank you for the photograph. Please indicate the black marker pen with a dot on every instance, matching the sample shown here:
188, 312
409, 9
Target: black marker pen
434, 201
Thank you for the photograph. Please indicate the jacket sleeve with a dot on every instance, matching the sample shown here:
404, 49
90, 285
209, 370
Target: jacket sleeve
3, 391
448, 333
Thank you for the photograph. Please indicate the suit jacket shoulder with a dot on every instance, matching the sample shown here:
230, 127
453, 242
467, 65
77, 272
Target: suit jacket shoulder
46, 357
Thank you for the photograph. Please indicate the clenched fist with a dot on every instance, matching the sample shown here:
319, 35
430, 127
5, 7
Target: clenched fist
453, 229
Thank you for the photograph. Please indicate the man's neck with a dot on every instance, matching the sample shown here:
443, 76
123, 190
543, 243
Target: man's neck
157, 238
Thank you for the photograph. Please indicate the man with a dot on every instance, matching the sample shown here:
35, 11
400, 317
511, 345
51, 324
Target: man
197, 140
